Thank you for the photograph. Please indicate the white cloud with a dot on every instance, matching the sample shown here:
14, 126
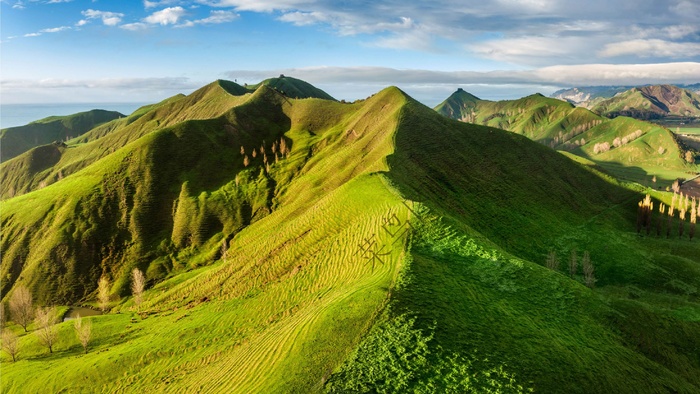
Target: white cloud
563, 75
304, 18
651, 48
55, 29
259, 5
136, 26
215, 17
180, 83
81, 22
167, 16
32, 35
108, 18
58, 1
152, 4
18, 5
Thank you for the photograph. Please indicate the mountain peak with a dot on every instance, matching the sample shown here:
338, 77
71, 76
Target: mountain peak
293, 88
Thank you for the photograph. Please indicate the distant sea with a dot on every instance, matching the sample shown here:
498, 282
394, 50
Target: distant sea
20, 114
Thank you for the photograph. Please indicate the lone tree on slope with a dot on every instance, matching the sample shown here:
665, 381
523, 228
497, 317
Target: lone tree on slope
83, 330
46, 327
10, 343
21, 308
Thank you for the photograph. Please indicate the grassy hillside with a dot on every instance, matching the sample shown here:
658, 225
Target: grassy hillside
392, 250
17, 140
293, 88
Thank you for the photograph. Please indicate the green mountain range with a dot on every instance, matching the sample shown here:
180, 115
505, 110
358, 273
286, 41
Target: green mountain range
309, 245
651, 102
583, 96
648, 150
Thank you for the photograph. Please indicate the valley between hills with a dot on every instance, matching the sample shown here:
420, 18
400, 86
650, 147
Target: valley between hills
293, 243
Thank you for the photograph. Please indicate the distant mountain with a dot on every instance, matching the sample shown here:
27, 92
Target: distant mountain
582, 96
560, 125
651, 102
16, 140
585, 96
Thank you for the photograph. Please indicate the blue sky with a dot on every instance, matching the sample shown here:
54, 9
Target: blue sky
145, 51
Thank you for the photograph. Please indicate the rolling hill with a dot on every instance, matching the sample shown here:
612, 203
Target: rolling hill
373, 246
17, 140
562, 126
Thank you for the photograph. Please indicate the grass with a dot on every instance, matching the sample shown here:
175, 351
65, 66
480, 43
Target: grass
461, 224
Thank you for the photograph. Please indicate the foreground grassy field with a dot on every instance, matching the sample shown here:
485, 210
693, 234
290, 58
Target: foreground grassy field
393, 250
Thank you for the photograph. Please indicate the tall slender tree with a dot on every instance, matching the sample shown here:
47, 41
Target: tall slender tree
573, 263
660, 220
670, 216
588, 270
103, 293
553, 261
138, 283
693, 218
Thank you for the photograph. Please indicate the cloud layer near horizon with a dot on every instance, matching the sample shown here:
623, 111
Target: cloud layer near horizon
428, 86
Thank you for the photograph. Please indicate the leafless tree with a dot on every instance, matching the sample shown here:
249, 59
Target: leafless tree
573, 263
21, 308
2, 315
46, 326
10, 343
552, 261
138, 283
588, 270
103, 293
83, 330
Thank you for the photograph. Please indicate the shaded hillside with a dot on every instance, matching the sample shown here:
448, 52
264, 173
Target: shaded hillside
390, 250
16, 140
651, 102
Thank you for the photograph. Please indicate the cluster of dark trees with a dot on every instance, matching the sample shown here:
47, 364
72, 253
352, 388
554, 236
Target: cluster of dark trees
688, 210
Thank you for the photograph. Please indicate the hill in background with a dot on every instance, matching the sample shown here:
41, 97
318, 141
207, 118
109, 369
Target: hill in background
308, 245
17, 140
